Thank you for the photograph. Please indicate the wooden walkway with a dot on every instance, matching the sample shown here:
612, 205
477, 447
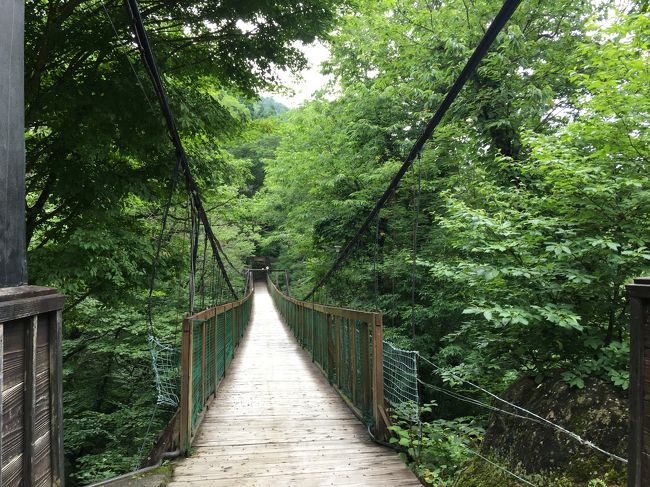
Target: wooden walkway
276, 421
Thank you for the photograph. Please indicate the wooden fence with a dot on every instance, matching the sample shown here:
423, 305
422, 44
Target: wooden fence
347, 345
210, 339
639, 438
31, 402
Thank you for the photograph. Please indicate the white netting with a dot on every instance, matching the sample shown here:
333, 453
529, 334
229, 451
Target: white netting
401, 380
165, 360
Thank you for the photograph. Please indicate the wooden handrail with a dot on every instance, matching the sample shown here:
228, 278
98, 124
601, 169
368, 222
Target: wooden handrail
639, 439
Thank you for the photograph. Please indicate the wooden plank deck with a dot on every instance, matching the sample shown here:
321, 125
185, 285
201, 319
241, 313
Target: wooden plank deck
277, 422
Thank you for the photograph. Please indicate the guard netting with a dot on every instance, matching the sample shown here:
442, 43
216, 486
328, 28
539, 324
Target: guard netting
401, 379
165, 360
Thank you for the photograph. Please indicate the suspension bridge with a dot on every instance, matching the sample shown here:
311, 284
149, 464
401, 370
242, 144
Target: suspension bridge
269, 389
276, 419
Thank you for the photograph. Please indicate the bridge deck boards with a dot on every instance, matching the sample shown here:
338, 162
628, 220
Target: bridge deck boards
277, 422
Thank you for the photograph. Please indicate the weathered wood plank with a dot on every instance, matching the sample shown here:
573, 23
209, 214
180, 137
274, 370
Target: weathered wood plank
24, 292
56, 396
30, 306
638, 442
277, 421
2, 347
30, 400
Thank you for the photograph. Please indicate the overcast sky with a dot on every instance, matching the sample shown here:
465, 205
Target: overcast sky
307, 82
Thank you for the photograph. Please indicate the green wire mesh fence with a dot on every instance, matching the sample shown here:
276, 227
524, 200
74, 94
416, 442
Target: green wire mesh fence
401, 379
345, 344
165, 360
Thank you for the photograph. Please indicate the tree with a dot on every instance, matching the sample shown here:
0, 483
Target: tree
534, 190
98, 170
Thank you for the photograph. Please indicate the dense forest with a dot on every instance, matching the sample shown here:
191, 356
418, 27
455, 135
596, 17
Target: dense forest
502, 257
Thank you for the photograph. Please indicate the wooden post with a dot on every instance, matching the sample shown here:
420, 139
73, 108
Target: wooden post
13, 268
324, 323
23, 306
202, 363
330, 359
225, 342
378, 412
639, 430
235, 329
338, 322
313, 334
2, 372
365, 363
186, 386
352, 325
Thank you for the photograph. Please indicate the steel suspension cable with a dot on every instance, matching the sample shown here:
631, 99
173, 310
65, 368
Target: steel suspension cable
414, 251
163, 226
149, 61
479, 53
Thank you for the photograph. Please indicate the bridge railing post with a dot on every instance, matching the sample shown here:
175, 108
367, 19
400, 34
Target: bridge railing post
639, 430
31, 373
378, 410
186, 386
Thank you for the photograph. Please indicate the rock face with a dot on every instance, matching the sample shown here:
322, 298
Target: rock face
598, 413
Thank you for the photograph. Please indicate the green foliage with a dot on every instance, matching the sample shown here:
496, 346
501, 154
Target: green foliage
534, 204
436, 449
98, 168
535, 195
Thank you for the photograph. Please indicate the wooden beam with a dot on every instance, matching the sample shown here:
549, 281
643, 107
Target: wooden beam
638, 440
13, 267
31, 306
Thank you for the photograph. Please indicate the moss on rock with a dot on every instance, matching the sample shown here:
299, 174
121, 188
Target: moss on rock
546, 456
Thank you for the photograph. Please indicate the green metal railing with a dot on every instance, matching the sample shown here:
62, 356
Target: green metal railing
347, 346
209, 342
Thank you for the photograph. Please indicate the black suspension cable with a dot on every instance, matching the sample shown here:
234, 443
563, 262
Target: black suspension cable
163, 226
194, 235
202, 280
414, 250
192, 188
479, 53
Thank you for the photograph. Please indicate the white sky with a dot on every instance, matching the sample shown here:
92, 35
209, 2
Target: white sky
306, 83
